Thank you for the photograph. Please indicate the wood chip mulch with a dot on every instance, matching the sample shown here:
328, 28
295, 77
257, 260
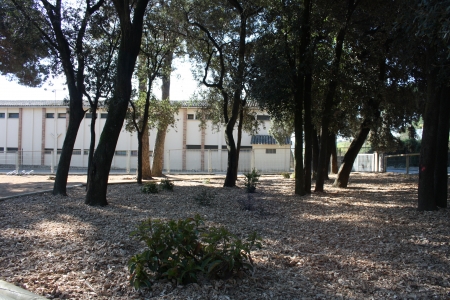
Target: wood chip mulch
364, 242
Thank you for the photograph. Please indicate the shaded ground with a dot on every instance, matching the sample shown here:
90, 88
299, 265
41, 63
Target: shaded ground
367, 241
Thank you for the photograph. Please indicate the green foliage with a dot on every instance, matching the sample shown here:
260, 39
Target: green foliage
250, 180
150, 187
286, 175
204, 198
166, 184
181, 250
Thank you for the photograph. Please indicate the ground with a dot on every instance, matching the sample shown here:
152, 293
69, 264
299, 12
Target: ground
364, 242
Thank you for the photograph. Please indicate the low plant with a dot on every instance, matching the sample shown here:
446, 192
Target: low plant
166, 184
207, 181
181, 250
149, 188
286, 175
204, 198
250, 180
248, 203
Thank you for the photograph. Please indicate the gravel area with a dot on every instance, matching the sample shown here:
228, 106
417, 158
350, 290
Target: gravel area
364, 242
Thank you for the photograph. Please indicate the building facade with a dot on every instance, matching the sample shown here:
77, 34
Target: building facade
32, 135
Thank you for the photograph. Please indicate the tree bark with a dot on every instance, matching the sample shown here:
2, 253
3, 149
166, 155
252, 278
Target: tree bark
158, 154
333, 152
128, 52
350, 156
315, 154
146, 168
308, 132
298, 150
92, 144
426, 193
441, 171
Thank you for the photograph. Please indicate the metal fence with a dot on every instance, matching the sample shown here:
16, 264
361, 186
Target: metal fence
175, 161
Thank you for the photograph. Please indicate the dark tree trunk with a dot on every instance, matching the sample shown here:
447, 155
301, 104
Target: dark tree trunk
350, 156
316, 149
322, 169
426, 193
158, 154
440, 175
146, 168
92, 144
298, 150
239, 137
308, 132
128, 52
328, 159
333, 152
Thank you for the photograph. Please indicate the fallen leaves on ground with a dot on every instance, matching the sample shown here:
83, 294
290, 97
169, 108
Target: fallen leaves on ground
366, 241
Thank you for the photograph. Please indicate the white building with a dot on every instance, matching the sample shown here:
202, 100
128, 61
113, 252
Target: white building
37, 129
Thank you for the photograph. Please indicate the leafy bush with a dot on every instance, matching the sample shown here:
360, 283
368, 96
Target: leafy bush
166, 184
250, 180
286, 175
181, 250
207, 181
204, 198
150, 187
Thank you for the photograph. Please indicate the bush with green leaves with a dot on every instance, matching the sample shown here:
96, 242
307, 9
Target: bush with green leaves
166, 184
205, 197
250, 180
182, 249
150, 187
286, 175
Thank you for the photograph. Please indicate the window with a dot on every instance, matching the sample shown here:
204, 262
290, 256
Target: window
61, 115
134, 153
76, 152
49, 115
88, 115
190, 116
263, 117
121, 153
224, 147
2, 149
103, 116
271, 151
2, 115
13, 115
246, 147
12, 150
48, 151
86, 152
58, 151
193, 147
211, 147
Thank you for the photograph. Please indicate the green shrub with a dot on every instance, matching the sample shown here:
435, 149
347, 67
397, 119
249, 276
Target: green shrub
286, 175
250, 180
181, 250
204, 198
166, 184
207, 181
150, 187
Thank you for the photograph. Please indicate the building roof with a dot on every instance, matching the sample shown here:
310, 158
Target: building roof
266, 140
65, 103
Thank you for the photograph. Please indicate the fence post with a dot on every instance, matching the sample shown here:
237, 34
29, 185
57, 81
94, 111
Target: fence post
407, 164
128, 162
52, 162
168, 162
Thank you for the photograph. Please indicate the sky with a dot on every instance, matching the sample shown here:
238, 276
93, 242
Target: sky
182, 86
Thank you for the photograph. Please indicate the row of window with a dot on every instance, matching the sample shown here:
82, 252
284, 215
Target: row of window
52, 115
258, 117
10, 115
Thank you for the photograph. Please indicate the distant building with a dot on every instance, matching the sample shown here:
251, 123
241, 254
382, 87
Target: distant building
38, 128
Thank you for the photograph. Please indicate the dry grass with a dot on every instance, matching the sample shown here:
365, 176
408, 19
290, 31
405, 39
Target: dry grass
367, 241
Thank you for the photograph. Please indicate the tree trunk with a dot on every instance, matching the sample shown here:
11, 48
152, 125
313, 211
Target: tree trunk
333, 152
350, 156
328, 159
426, 193
308, 132
146, 168
158, 154
76, 114
315, 154
91, 145
239, 137
440, 175
298, 150
128, 52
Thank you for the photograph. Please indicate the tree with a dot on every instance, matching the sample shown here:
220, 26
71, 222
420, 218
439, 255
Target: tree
63, 30
131, 16
221, 32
